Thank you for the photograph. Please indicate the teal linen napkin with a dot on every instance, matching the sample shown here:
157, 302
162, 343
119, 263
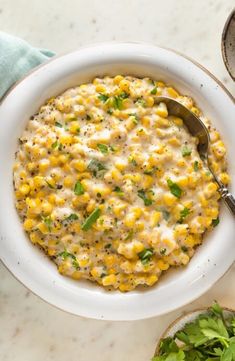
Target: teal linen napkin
17, 57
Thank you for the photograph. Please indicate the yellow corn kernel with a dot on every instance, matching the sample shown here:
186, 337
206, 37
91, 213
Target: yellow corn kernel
183, 181
76, 275
74, 127
120, 165
43, 165
224, 177
75, 227
109, 280
100, 88
150, 280
24, 189
34, 237
64, 106
95, 272
124, 85
180, 230
31, 166
46, 207
169, 199
146, 121
118, 79
130, 123
162, 111
116, 175
54, 161
218, 149
42, 228
149, 101
174, 141
155, 218
189, 241
212, 212
129, 220
29, 224
163, 266
84, 261
82, 199
172, 92
210, 190
79, 165
66, 139
177, 121
60, 201
139, 225
68, 181
91, 206
119, 208
147, 181
109, 260
52, 198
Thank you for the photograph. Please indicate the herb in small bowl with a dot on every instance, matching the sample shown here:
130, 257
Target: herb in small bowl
204, 335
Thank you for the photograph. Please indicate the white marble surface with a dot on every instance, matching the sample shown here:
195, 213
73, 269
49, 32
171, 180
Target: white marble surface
30, 329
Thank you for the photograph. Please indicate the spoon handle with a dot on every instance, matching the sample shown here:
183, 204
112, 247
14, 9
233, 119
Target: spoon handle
228, 198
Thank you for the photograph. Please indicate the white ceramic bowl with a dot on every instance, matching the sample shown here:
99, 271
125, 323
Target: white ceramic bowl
30, 265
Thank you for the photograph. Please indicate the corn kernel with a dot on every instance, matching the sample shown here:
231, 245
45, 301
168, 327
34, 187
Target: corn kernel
109, 280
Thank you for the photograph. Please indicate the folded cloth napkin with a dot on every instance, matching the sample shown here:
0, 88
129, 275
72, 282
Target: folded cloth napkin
17, 57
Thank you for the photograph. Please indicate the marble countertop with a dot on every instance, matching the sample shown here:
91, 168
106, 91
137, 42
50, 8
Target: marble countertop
30, 328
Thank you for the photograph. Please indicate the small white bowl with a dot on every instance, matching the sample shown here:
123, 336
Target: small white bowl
30, 265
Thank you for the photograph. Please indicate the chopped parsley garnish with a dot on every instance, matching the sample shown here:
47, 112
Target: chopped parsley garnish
210, 336
96, 167
174, 188
103, 148
66, 254
215, 222
146, 255
79, 189
103, 97
129, 235
118, 100
162, 251
196, 166
48, 222
118, 191
142, 195
55, 144
71, 217
141, 102
50, 185
59, 125
164, 211
154, 91
91, 219
183, 214
151, 171
186, 151
108, 245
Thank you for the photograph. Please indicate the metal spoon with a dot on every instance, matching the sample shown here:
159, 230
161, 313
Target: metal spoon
198, 130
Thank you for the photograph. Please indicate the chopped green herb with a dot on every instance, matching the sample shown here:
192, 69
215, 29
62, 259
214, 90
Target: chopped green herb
91, 219
209, 337
55, 144
108, 245
103, 97
96, 167
184, 249
118, 100
183, 214
129, 235
48, 222
88, 117
163, 251
66, 254
110, 111
141, 102
215, 222
150, 171
142, 195
118, 191
72, 217
196, 166
186, 151
174, 188
50, 185
103, 275
146, 255
59, 125
154, 91
79, 189
103, 148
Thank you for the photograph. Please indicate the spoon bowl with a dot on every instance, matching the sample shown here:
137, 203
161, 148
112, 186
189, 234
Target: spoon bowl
198, 129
